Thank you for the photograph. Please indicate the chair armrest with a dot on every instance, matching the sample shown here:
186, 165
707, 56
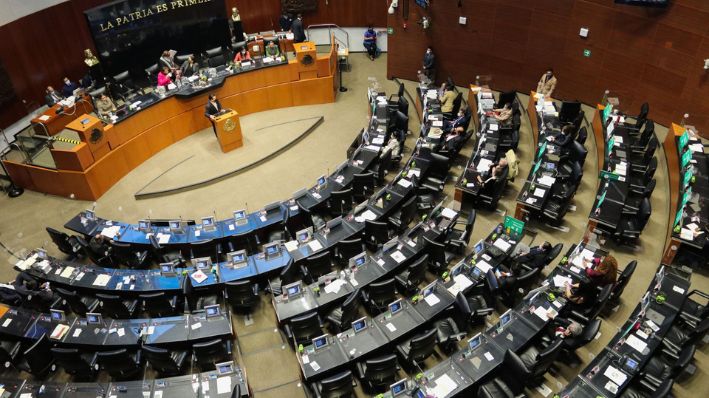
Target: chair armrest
484, 311
287, 330
650, 379
579, 317
671, 348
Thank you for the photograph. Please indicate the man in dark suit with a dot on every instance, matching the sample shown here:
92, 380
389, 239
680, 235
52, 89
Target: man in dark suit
297, 30
429, 64
68, 87
52, 97
535, 257
212, 109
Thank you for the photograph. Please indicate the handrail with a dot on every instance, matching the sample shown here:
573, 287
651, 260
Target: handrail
330, 27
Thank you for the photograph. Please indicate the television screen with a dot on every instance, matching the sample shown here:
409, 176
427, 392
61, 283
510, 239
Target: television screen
132, 34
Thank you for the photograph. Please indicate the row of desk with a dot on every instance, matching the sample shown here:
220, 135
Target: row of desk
207, 384
181, 330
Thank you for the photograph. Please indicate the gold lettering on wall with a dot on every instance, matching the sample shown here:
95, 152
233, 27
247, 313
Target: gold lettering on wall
147, 12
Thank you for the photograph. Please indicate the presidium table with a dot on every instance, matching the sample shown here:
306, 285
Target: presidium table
152, 122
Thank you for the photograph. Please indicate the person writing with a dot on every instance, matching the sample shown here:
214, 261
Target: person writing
496, 171
429, 64
504, 114
370, 42
272, 50
164, 77
104, 106
602, 272
69, 87
189, 67
547, 83
297, 30
242, 55
447, 100
51, 97
211, 110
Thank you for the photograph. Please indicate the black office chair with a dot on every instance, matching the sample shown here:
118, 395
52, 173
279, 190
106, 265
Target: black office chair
497, 388
662, 367
180, 59
414, 351
640, 389
121, 364
642, 156
289, 274
622, 282
123, 86
210, 353
376, 233
78, 364
9, 353
123, 253
348, 248
631, 226
448, 334
161, 255
197, 297
317, 266
694, 311
115, 307
438, 259
152, 74
401, 219
633, 200
102, 259
79, 305
64, 243
377, 374
582, 135
37, 359
159, 304
473, 309
340, 202
378, 295
340, 318
297, 220
205, 248
458, 240
242, 295
411, 277
337, 386
436, 175
304, 328
362, 186
490, 194
537, 362
215, 57
382, 168
590, 311
164, 361
679, 337
526, 280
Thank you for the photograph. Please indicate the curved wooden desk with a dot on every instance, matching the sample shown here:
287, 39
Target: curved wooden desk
149, 131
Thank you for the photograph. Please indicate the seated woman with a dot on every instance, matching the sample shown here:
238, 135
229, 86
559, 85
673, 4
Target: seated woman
242, 55
164, 77
370, 42
582, 294
495, 172
602, 272
189, 67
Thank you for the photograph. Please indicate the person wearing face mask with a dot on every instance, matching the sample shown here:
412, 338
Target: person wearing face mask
429, 64
547, 83
68, 87
52, 96
242, 55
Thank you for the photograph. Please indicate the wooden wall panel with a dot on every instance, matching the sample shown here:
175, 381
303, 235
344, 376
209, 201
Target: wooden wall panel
639, 54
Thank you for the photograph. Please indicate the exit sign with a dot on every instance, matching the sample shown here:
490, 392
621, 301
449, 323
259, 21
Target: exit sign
390, 30
586, 53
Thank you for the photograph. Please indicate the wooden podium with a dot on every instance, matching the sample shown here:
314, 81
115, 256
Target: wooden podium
91, 131
306, 56
228, 131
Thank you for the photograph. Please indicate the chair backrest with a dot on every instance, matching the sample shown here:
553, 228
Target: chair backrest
363, 184
381, 369
350, 308
417, 270
408, 211
241, 293
421, 346
204, 248
289, 274
583, 134
439, 165
649, 188
157, 303
652, 144
213, 52
210, 352
376, 232
436, 253
579, 152
72, 298
601, 301
112, 306
698, 333
297, 221
456, 103
160, 359
623, 279
470, 224
180, 59
348, 248
382, 293
339, 385
71, 360
305, 327
319, 264
651, 168
663, 390
117, 361
38, 355
684, 358
121, 77
341, 201
553, 253
546, 358
152, 70
61, 240
644, 213
95, 94
587, 334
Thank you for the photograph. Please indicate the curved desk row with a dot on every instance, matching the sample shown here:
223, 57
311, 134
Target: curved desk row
181, 330
142, 133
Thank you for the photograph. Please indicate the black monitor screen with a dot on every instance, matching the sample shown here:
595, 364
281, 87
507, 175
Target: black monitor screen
132, 34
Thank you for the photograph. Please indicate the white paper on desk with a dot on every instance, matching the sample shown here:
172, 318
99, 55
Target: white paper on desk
546, 180
415, 172
80, 276
67, 272
291, 245
636, 343
448, 213
119, 285
483, 165
163, 238
7, 322
110, 232
223, 385
461, 283
541, 312
102, 280
404, 182
483, 266
197, 232
381, 262
588, 254
43, 118
615, 375
398, 256
692, 226
334, 286
444, 386
121, 332
696, 148
315, 366
368, 215
561, 281
264, 218
686, 234
305, 358
314, 245
531, 200
494, 127
391, 327
199, 276
205, 386
575, 270
157, 394
432, 300
196, 326
539, 192
501, 244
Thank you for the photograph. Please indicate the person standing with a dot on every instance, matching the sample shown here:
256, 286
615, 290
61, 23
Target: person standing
285, 22
211, 110
547, 83
297, 30
429, 64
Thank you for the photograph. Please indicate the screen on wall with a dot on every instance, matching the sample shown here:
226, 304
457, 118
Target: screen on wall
132, 34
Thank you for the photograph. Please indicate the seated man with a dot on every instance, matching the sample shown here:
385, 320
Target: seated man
504, 114
26, 286
533, 257
272, 50
370, 42
460, 122
495, 172
104, 106
68, 87
564, 138
52, 96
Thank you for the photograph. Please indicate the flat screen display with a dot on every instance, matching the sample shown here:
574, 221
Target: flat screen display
132, 34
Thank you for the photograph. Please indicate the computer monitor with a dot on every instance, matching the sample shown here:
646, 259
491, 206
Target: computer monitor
237, 259
208, 222
645, 302
320, 342
240, 216
659, 276
304, 235
57, 315
167, 269
358, 260
202, 262
479, 246
89, 215
322, 181
175, 225
475, 341
398, 388
359, 325
293, 290
395, 306
272, 206
93, 318
212, 310
428, 290
144, 225
630, 365
505, 318
272, 250
225, 368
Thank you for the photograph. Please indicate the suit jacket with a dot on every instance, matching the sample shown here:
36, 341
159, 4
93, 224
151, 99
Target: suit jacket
189, 70
52, 99
429, 61
68, 89
546, 86
298, 32
210, 109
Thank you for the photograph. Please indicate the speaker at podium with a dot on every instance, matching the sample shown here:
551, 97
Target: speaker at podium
228, 130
